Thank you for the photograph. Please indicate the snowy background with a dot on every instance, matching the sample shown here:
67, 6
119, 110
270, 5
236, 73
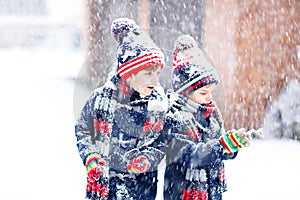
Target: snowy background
39, 158
38, 151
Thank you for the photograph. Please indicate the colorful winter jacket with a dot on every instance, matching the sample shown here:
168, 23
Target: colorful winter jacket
194, 158
119, 125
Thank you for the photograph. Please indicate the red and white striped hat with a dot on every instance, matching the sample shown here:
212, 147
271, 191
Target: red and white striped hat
136, 50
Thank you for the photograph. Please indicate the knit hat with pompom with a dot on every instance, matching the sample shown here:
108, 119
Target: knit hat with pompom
136, 50
191, 67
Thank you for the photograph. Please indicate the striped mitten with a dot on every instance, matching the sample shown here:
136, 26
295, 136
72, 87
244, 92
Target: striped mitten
94, 167
138, 165
233, 141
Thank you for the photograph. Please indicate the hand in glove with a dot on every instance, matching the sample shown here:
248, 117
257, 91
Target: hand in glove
94, 167
138, 165
234, 140
246, 137
256, 133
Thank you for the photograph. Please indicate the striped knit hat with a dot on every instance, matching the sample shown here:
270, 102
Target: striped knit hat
191, 68
136, 50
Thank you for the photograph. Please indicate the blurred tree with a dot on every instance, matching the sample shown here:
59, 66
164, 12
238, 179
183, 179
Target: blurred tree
267, 36
282, 118
99, 44
254, 45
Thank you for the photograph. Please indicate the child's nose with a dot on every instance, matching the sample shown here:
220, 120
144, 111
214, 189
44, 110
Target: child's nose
155, 78
208, 98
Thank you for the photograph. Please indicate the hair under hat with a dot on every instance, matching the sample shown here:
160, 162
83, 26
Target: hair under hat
191, 68
136, 50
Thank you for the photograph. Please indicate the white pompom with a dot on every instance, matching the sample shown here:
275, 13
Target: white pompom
121, 26
184, 42
158, 105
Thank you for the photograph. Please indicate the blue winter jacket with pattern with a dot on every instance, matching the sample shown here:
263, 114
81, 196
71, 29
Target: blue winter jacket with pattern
194, 157
117, 125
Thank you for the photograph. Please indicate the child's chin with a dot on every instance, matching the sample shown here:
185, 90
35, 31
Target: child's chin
147, 92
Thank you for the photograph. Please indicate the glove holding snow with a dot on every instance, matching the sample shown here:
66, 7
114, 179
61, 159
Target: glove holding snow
246, 137
157, 110
234, 140
155, 105
138, 165
256, 133
94, 167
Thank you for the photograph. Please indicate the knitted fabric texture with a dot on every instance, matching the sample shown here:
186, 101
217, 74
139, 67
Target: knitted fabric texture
136, 50
93, 164
232, 142
191, 67
138, 165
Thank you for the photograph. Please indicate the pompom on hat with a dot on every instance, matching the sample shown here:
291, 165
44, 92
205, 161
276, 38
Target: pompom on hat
191, 68
136, 51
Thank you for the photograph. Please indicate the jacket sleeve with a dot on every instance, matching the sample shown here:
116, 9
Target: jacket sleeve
84, 130
182, 149
230, 156
155, 151
209, 152
206, 153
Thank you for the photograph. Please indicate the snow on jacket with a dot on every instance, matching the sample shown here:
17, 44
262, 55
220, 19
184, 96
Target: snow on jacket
116, 123
194, 155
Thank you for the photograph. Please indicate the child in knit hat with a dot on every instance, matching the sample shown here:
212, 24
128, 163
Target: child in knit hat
119, 130
198, 143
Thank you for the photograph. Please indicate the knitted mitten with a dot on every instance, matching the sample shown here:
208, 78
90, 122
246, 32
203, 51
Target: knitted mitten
138, 165
256, 133
94, 167
233, 141
97, 188
194, 194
